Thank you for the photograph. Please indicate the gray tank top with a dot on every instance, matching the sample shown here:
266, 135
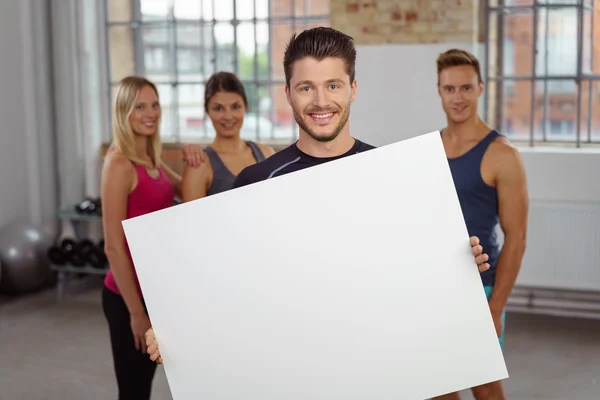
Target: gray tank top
223, 179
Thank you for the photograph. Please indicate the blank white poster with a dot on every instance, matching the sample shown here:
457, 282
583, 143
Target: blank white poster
349, 280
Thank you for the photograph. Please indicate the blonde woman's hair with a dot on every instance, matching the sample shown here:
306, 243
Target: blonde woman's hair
123, 136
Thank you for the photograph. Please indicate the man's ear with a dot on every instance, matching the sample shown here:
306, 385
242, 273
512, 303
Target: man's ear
287, 95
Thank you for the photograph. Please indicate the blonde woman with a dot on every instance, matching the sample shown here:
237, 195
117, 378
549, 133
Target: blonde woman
134, 182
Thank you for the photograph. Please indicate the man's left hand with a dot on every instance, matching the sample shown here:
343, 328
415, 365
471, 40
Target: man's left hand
480, 257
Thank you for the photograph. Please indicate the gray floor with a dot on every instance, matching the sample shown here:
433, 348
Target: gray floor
53, 349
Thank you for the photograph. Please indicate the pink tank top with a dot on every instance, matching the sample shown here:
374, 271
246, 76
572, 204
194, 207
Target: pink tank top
150, 194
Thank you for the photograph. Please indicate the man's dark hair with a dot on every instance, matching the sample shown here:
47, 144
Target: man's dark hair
320, 43
223, 82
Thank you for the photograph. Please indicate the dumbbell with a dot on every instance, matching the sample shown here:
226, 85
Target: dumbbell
84, 247
93, 254
103, 253
89, 206
56, 255
72, 253
79, 253
96, 258
66, 253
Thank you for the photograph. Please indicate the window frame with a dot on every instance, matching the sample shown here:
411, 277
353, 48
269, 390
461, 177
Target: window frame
494, 112
256, 82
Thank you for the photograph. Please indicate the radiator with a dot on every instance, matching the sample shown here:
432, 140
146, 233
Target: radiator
560, 274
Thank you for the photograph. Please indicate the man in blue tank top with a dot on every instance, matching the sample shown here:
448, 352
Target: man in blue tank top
491, 185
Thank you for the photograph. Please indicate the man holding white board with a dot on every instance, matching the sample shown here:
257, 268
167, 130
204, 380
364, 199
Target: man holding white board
320, 87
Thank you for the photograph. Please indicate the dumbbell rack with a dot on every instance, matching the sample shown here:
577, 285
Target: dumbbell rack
67, 273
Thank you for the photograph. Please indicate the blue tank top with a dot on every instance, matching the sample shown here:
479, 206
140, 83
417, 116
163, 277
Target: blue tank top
223, 179
478, 201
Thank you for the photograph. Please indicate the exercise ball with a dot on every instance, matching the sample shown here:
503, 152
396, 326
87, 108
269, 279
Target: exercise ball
23, 248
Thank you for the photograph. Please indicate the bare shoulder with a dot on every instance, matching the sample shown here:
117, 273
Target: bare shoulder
117, 163
118, 173
267, 150
201, 174
203, 152
196, 180
205, 165
506, 159
504, 151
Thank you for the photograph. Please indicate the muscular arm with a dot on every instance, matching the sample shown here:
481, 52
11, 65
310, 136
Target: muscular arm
513, 204
175, 179
118, 178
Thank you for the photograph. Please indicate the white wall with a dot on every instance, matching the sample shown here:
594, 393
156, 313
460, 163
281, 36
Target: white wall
563, 175
27, 154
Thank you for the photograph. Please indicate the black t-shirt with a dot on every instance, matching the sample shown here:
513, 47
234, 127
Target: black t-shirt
288, 160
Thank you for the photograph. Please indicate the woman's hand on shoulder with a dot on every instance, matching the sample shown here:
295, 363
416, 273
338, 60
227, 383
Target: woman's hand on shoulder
195, 181
193, 155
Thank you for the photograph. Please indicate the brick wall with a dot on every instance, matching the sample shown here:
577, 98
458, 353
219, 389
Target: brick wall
122, 52
406, 21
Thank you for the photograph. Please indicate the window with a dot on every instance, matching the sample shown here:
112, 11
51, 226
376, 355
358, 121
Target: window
543, 81
508, 55
178, 44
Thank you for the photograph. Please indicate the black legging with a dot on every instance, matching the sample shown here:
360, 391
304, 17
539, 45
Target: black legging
134, 370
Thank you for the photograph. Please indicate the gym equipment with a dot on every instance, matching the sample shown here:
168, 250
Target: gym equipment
71, 252
56, 256
97, 259
68, 246
78, 253
63, 254
73, 260
90, 205
85, 247
92, 254
22, 255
